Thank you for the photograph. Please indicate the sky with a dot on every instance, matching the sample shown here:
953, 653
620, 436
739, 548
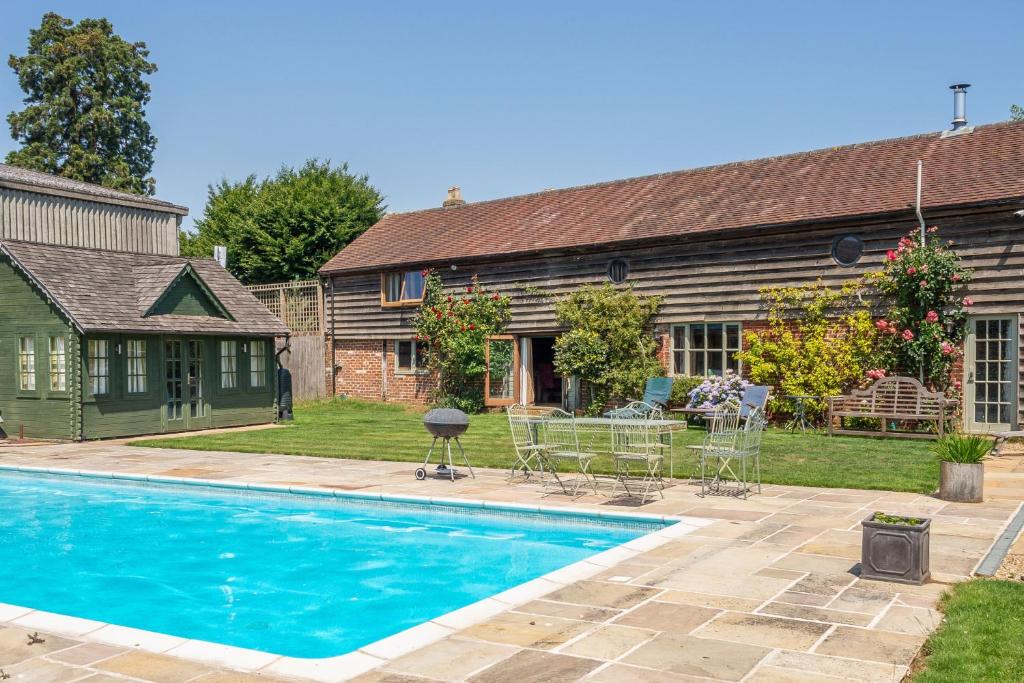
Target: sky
515, 97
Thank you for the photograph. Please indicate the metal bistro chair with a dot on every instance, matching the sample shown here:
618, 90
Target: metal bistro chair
722, 425
657, 392
638, 443
741, 446
524, 425
561, 444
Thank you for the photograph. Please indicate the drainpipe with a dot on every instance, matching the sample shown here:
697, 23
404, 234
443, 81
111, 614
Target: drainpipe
277, 383
917, 205
334, 365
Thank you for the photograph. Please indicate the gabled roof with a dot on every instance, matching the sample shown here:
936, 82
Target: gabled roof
869, 179
23, 179
104, 291
154, 284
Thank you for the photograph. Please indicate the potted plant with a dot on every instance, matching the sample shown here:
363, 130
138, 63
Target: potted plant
961, 472
895, 548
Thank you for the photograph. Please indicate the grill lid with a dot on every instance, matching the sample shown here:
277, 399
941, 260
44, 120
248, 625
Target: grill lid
446, 422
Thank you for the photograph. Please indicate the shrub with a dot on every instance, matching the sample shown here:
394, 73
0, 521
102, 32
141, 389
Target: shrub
608, 343
819, 342
456, 325
962, 448
681, 388
714, 391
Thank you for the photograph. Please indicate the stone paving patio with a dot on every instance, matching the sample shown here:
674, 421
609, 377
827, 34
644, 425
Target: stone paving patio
767, 592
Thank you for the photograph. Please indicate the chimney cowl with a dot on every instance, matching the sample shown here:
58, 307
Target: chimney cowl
454, 197
959, 110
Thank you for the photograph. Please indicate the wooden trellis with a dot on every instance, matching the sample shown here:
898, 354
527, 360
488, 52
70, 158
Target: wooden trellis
299, 304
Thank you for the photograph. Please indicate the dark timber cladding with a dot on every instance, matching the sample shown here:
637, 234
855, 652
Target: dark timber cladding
707, 240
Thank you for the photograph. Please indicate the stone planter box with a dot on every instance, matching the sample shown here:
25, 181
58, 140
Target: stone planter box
961, 482
895, 552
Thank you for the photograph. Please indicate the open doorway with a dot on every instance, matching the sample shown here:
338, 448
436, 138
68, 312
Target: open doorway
547, 383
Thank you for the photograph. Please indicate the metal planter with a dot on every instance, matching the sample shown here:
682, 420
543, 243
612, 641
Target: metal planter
961, 482
895, 552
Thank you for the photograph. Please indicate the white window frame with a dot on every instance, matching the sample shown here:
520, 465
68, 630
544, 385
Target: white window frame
58, 364
258, 364
686, 350
136, 355
228, 352
26, 363
415, 368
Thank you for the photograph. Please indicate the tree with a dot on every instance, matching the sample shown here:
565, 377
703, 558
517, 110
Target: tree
1016, 112
285, 227
85, 100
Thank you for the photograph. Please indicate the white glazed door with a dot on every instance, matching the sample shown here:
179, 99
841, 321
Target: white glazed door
990, 374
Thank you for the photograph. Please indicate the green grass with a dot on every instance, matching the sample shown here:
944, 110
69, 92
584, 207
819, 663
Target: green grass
374, 431
982, 638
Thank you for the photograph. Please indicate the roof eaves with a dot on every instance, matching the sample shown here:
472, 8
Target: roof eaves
38, 283
130, 201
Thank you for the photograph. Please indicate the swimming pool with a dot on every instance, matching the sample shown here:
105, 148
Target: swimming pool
305, 576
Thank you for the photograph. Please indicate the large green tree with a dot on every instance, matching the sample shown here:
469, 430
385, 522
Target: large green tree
85, 100
285, 227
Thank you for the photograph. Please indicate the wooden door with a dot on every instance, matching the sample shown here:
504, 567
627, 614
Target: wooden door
990, 374
501, 381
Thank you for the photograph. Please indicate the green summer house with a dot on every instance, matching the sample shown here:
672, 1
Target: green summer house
105, 331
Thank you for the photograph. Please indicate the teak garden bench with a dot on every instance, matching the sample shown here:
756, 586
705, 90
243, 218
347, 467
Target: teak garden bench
894, 399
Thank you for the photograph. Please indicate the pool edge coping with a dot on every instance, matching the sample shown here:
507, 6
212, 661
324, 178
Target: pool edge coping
372, 655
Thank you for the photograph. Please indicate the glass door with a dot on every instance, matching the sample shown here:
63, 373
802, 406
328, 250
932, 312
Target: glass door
174, 414
502, 377
185, 404
990, 369
196, 404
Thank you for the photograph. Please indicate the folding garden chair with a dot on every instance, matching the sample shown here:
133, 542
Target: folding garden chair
524, 423
754, 397
657, 392
561, 444
727, 454
639, 454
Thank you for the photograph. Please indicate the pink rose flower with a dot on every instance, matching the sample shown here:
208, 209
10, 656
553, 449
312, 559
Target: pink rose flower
891, 255
956, 277
968, 301
882, 324
908, 335
934, 228
932, 317
911, 270
924, 283
947, 348
924, 268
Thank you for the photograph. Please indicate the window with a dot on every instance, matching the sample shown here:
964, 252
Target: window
410, 356
99, 367
258, 363
27, 363
400, 289
618, 270
706, 348
228, 365
58, 365
847, 250
136, 366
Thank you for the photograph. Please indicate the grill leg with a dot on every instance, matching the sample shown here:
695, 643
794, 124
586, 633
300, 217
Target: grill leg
451, 465
426, 460
464, 458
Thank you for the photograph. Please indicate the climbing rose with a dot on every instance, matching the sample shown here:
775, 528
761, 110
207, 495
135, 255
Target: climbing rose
924, 283
469, 290
934, 228
911, 270
891, 255
968, 301
932, 317
877, 373
947, 348
908, 335
924, 268
882, 324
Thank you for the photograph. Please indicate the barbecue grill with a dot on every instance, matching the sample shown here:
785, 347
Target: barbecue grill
445, 424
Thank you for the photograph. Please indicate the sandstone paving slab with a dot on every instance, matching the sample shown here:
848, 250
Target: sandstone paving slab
14, 645
527, 630
824, 584
871, 645
756, 629
721, 602
531, 665
451, 659
607, 642
716, 659
830, 616
86, 653
667, 616
839, 667
152, 667
625, 673
42, 671
568, 611
235, 677
798, 598
601, 594
773, 674
918, 621
858, 599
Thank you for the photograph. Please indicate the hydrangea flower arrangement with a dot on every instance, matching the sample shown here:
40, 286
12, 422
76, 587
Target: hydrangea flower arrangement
717, 390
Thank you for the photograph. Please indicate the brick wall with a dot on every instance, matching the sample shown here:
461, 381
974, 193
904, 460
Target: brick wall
358, 373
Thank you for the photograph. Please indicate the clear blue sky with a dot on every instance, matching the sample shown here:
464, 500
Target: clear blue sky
520, 96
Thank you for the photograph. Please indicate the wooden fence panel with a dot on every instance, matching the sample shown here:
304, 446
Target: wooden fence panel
305, 360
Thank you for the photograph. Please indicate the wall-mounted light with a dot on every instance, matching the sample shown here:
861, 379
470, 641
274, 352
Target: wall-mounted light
245, 347
117, 348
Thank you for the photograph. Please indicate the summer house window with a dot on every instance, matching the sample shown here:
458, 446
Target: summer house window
58, 365
136, 366
27, 363
410, 356
706, 348
99, 367
228, 365
399, 289
258, 363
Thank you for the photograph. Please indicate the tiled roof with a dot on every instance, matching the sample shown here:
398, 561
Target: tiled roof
986, 165
19, 178
104, 291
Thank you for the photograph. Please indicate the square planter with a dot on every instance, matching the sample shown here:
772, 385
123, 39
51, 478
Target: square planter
895, 552
961, 482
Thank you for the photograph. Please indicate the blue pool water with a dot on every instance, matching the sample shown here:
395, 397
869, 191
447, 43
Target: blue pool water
301, 576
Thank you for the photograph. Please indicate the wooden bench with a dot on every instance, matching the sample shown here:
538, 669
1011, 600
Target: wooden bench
895, 399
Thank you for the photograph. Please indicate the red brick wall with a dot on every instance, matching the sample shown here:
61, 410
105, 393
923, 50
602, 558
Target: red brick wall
357, 373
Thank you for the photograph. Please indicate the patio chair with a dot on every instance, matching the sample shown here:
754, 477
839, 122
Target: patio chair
723, 455
722, 425
754, 397
524, 425
636, 444
656, 395
561, 444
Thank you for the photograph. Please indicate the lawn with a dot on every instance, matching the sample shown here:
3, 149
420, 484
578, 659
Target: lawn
982, 638
374, 431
